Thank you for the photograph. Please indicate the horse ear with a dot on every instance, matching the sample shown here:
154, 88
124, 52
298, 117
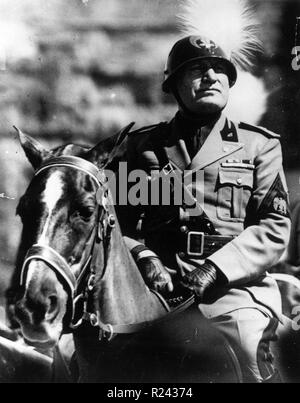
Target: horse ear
34, 150
107, 149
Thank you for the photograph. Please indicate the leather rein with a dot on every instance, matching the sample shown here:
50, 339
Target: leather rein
105, 224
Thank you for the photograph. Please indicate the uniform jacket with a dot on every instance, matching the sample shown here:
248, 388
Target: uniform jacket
293, 253
245, 195
290, 264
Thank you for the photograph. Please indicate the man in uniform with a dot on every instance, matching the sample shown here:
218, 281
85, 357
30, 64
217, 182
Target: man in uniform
242, 228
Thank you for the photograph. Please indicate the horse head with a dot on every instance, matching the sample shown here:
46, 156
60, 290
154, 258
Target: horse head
60, 215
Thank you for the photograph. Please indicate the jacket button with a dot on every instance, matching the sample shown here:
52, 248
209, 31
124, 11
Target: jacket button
239, 181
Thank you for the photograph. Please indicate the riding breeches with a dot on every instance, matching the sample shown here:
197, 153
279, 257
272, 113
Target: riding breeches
250, 333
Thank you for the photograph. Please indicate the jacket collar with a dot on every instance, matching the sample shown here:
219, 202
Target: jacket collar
213, 150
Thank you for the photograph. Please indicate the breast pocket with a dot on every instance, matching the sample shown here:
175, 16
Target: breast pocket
234, 189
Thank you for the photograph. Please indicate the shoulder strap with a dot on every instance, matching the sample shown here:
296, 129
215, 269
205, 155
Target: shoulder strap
258, 129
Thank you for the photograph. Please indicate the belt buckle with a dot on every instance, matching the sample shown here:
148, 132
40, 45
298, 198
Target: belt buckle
195, 244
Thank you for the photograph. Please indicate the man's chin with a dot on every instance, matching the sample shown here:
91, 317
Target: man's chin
208, 108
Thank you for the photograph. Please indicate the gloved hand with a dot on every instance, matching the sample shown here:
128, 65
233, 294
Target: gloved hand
201, 280
153, 271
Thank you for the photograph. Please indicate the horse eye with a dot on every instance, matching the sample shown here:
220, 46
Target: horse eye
86, 212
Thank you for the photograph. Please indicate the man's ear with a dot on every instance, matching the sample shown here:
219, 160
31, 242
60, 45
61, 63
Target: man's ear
34, 150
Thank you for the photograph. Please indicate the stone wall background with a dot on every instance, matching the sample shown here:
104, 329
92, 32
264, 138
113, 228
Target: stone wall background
79, 70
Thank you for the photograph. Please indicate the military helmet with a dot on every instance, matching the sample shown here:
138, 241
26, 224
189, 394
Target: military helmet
191, 49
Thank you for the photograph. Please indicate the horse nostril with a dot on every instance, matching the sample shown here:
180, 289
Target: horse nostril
21, 312
52, 307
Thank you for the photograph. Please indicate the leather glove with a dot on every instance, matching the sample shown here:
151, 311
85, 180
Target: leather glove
153, 271
202, 279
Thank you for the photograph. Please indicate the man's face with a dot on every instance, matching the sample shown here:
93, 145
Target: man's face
204, 87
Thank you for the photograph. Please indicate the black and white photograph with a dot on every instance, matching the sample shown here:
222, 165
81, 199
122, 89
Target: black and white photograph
150, 194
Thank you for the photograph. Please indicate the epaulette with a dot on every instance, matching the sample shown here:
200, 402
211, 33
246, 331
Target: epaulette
147, 129
258, 129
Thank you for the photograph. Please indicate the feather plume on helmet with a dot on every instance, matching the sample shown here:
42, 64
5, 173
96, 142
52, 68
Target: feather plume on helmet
231, 24
224, 29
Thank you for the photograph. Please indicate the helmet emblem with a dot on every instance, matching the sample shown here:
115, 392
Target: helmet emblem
204, 44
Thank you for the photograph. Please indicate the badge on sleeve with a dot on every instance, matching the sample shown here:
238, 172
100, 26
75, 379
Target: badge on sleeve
276, 200
280, 206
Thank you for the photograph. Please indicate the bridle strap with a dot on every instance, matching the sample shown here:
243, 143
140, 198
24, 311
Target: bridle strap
77, 163
52, 259
87, 256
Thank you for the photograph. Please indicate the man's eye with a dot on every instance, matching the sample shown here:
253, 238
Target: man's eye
220, 69
198, 70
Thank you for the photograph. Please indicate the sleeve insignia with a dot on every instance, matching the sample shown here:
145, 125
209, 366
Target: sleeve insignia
276, 200
280, 206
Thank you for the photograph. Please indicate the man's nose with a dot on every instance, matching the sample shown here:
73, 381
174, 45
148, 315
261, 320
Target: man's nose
210, 75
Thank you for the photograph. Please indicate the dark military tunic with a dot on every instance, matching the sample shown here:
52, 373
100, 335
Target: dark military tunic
245, 196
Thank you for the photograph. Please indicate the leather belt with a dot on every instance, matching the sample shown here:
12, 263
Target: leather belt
198, 245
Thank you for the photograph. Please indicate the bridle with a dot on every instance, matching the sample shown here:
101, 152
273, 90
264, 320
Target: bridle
104, 224
79, 288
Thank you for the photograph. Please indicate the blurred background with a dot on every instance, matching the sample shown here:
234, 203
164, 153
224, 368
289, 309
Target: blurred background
79, 70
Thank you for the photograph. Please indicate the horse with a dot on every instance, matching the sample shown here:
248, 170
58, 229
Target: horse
74, 273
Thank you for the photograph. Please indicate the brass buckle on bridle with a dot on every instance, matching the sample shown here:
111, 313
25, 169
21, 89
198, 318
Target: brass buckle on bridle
106, 331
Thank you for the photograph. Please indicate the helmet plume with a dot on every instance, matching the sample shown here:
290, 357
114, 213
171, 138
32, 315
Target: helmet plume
231, 24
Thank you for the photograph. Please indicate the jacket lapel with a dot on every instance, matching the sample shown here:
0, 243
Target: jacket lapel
214, 148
